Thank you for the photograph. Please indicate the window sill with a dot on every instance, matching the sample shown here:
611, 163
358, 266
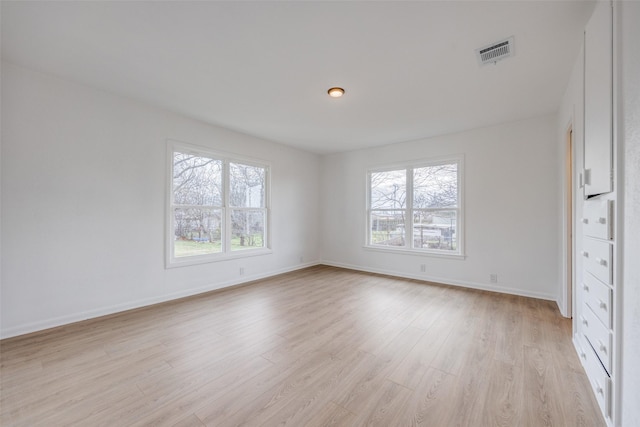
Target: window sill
206, 259
418, 252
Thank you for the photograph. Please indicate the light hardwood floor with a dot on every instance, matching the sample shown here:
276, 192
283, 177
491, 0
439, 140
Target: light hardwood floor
317, 347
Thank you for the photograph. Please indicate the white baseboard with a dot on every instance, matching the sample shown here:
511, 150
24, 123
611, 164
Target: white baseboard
103, 311
562, 309
91, 314
445, 281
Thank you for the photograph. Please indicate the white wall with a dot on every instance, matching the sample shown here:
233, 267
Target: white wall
511, 209
83, 203
628, 31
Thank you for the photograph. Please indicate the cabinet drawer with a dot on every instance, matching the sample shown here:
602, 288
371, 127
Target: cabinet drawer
598, 336
597, 255
600, 381
598, 297
596, 220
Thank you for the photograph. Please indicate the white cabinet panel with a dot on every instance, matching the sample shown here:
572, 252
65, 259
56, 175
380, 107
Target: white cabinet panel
597, 255
596, 218
598, 335
598, 101
598, 297
600, 381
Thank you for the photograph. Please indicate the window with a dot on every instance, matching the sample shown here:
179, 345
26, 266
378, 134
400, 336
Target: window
218, 206
416, 207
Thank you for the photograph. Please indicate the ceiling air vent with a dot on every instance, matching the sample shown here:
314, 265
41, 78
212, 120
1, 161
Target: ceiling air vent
496, 51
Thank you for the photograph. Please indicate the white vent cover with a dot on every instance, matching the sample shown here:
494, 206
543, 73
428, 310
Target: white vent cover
495, 52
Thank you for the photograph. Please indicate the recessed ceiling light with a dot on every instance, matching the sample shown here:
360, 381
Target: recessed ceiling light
335, 92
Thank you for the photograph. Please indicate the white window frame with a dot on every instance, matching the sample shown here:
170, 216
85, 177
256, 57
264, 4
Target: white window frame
226, 228
409, 210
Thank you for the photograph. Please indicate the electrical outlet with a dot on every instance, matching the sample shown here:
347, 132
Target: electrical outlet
493, 278
423, 268
241, 271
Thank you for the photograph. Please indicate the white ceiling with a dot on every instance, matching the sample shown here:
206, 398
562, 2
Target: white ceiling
263, 68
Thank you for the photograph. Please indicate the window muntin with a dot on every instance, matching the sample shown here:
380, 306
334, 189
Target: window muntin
218, 206
425, 198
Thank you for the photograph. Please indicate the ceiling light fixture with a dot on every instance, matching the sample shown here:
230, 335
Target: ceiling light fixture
335, 92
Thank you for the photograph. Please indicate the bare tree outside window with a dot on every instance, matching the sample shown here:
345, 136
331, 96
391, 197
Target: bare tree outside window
197, 198
217, 205
388, 201
435, 186
247, 199
435, 192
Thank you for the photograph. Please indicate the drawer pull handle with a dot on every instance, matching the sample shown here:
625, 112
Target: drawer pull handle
603, 348
599, 390
601, 261
603, 305
583, 355
584, 322
585, 254
585, 287
602, 220
585, 220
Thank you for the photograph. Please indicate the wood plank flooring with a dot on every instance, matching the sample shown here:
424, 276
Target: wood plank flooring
317, 347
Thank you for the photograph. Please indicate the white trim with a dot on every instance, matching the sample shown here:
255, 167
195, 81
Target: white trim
225, 247
444, 281
567, 147
218, 154
431, 161
458, 159
118, 308
619, 236
226, 212
417, 252
217, 257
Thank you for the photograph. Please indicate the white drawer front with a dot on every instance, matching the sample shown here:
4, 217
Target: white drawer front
598, 297
597, 255
600, 381
598, 335
596, 220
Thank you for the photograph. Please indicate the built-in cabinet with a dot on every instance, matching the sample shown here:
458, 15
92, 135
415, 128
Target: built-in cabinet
598, 105
595, 312
596, 294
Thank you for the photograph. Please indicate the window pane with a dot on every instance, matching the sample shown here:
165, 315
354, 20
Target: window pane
389, 189
436, 186
247, 186
435, 230
196, 180
247, 229
387, 228
197, 231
